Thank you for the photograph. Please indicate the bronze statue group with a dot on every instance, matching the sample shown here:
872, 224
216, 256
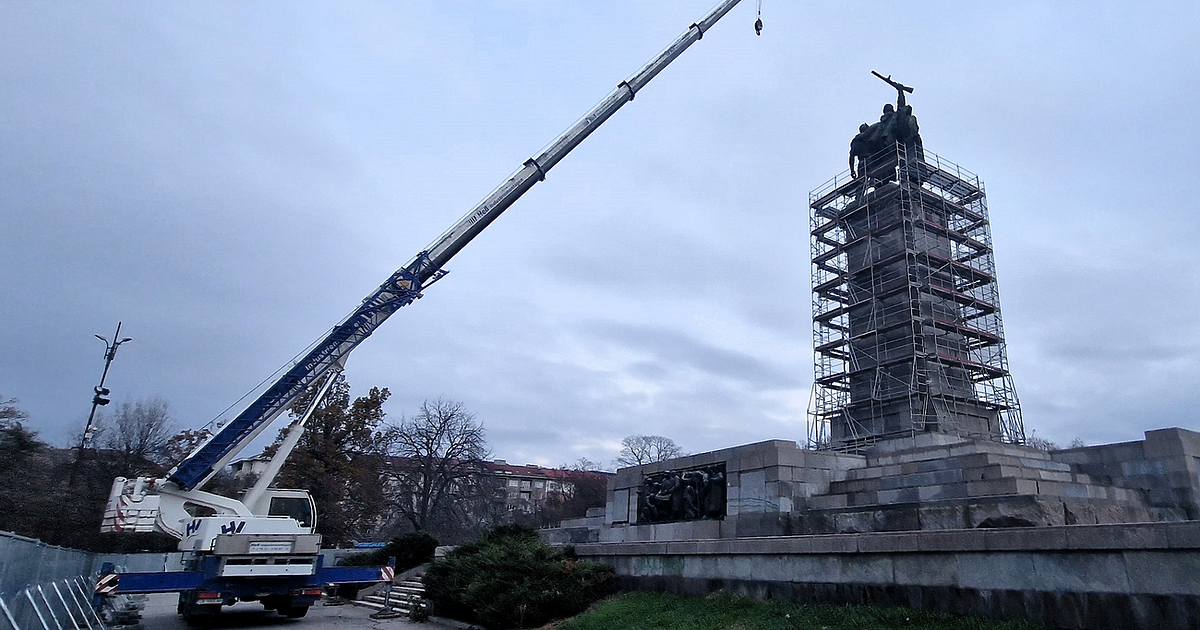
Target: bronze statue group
682, 495
896, 125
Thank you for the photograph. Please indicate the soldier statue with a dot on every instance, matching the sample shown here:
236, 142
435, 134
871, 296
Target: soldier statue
896, 125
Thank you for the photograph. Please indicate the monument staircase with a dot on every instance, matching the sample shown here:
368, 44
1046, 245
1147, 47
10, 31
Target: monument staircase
406, 592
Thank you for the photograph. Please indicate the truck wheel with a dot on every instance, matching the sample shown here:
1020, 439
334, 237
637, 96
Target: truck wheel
293, 612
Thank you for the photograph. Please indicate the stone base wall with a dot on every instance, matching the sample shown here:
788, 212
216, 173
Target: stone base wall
926, 481
1078, 576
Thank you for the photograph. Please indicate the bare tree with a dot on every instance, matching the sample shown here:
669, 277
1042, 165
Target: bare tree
10, 413
437, 465
138, 431
17, 443
583, 464
647, 449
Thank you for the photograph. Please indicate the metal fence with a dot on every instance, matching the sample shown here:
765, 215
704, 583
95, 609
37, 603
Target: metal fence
44, 587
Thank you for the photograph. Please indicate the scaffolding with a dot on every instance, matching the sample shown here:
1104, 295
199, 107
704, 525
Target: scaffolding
907, 333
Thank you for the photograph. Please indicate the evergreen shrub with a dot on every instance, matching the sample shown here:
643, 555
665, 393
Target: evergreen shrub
509, 578
410, 550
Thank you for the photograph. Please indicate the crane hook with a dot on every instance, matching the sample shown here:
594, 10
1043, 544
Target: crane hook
758, 24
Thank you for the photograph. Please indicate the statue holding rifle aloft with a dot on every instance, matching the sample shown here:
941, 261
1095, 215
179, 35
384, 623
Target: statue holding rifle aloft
896, 125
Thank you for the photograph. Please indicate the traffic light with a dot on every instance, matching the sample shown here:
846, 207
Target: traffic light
99, 398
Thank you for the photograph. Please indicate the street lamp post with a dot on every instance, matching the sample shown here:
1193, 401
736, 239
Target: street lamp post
100, 391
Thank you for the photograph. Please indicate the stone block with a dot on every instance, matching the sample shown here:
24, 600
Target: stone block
1163, 573
1142, 468
936, 465
1120, 537
628, 477
752, 461
942, 491
927, 569
812, 475
1183, 535
836, 543
853, 522
1079, 572
762, 524
1025, 538
889, 542
863, 498
753, 485
846, 461
865, 473
943, 516
952, 540
900, 495
925, 454
793, 457
1164, 443
975, 460
1044, 464
612, 534
825, 502
1050, 488
819, 459
866, 569
619, 508
894, 519
1163, 496
779, 473
639, 533
992, 487
994, 571
1054, 475
814, 522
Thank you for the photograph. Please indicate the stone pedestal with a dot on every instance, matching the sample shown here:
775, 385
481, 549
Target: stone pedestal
927, 481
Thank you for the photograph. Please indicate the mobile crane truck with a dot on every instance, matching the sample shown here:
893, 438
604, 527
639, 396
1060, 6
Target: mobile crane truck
264, 546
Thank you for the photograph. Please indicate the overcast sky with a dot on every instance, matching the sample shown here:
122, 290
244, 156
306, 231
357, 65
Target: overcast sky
230, 179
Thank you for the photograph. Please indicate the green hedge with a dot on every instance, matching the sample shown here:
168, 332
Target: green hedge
509, 578
409, 550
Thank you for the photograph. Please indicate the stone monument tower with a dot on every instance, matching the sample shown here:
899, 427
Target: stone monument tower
907, 330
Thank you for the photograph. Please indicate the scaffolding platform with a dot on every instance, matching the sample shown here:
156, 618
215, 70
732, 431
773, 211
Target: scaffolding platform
907, 331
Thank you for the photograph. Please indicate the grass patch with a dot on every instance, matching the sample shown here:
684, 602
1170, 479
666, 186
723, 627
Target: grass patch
722, 611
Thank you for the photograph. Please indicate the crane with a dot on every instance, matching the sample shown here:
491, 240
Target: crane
242, 548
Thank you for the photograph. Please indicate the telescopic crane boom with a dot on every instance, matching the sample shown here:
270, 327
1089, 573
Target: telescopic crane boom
264, 546
406, 284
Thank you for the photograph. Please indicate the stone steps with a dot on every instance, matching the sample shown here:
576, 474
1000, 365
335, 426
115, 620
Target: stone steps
966, 470
401, 600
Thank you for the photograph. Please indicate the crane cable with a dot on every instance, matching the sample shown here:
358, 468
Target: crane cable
758, 24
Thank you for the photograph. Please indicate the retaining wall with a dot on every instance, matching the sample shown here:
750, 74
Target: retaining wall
1079, 576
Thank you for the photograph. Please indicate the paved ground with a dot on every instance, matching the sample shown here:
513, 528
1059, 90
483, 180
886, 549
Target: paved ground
160, 615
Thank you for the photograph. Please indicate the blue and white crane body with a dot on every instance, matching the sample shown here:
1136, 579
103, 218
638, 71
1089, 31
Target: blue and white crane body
264, 545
